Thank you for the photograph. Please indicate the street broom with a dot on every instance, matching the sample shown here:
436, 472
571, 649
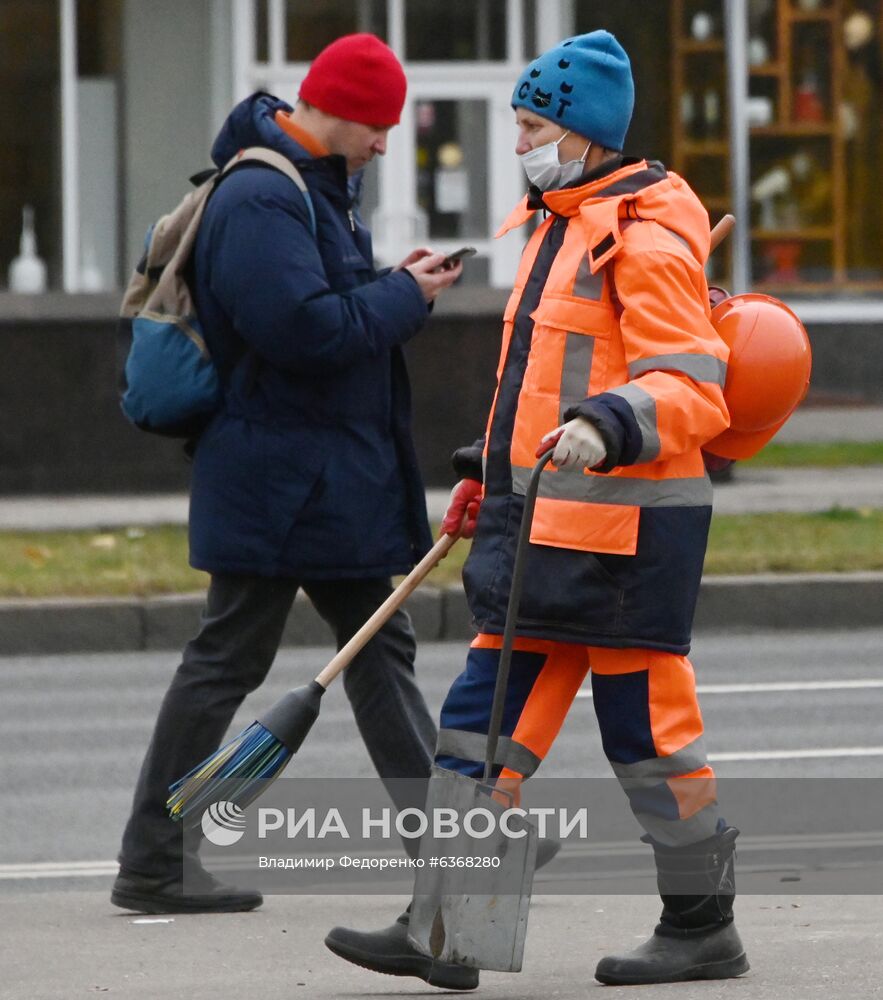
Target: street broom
241, 770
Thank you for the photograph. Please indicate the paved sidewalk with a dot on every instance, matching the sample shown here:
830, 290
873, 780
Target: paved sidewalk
832, 600
751, 490
833, 423
72, 944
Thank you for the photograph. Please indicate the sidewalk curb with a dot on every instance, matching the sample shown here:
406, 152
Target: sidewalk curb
764, 601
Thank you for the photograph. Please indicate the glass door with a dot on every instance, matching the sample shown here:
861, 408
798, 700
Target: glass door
450, 176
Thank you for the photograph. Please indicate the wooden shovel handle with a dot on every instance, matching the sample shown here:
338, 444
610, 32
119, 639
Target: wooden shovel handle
721, 231
386, 610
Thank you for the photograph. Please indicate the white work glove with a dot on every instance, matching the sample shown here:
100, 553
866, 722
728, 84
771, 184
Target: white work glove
578, 444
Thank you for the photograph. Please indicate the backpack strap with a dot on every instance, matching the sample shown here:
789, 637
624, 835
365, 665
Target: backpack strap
270, 158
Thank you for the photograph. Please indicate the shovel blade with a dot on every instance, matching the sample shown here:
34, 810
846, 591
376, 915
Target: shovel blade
475, 916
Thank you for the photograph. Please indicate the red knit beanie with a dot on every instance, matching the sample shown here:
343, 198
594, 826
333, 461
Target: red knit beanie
357, 78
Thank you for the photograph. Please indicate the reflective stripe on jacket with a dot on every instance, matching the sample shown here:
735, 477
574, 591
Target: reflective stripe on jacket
609, 319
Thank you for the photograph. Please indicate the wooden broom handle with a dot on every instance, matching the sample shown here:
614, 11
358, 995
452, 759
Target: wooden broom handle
721, 231
386, 610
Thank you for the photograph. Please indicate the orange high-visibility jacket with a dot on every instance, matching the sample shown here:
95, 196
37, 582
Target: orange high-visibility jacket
609, 320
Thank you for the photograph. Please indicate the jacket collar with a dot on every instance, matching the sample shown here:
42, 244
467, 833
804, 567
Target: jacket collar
638, 190
629, 178
300, 135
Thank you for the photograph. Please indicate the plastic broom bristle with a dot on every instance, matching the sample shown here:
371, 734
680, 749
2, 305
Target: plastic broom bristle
238, 772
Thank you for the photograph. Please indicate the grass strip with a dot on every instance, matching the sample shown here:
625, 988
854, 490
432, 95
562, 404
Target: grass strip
147, 561
831, 455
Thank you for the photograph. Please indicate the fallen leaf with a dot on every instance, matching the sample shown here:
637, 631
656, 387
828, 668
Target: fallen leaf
103, 542
37, 555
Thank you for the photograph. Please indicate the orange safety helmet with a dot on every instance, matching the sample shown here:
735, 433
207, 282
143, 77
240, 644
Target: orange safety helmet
767, 373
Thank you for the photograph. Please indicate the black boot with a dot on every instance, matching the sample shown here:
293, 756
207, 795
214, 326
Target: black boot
695, 937
166, 894
389, 951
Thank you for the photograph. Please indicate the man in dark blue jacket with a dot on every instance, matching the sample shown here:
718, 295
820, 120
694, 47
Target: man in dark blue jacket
307, 477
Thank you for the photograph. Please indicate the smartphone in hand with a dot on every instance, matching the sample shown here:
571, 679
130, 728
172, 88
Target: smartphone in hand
458, 255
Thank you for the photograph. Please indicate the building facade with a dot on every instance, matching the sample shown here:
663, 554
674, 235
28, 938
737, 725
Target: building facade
769, 108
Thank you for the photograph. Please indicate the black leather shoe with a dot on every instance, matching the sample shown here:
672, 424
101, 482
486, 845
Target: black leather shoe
166, 895
389, 951
672, 957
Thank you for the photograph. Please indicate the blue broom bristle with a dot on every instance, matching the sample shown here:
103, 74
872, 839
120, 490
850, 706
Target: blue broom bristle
238, 772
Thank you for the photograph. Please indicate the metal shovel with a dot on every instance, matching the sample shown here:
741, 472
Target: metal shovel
477, 916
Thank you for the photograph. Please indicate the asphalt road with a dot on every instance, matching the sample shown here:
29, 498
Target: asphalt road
792, 722
797, 707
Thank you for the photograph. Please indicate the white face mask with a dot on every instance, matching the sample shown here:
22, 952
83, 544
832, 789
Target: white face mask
544, 169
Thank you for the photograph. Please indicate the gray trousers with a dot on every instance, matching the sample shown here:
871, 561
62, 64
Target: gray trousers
240, 634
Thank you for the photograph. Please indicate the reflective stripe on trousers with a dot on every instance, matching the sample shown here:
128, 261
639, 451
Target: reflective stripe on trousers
648, 715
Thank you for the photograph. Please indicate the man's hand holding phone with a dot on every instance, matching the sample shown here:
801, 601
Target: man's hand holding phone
454, 258
429, 271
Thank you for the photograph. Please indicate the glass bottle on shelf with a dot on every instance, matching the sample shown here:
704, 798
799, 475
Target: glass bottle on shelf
808, 106
711, 113
689, 114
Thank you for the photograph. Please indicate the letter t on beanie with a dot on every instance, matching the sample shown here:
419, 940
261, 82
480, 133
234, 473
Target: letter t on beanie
357, 78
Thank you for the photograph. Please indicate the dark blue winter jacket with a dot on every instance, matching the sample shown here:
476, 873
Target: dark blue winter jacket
308, 470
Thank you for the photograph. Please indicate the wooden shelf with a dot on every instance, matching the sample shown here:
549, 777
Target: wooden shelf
767, 69
811, 16
706, 147
691, 46
795, 130
804, 234
717, 203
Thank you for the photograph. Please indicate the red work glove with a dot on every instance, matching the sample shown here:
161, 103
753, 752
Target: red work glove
462, 513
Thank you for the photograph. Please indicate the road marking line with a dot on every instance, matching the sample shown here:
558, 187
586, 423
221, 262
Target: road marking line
50, 865
59, 869
763, 687
812, 752
759, 842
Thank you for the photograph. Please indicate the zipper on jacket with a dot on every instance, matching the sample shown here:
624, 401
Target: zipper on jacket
349, 215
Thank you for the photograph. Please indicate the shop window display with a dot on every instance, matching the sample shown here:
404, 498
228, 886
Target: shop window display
815, 87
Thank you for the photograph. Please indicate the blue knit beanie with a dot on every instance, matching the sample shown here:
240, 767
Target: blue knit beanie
583, 84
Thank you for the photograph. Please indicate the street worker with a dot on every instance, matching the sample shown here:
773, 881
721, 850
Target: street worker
610, 357
307, 476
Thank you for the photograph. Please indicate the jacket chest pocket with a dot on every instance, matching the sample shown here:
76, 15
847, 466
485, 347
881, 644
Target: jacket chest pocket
345, 267
569, 347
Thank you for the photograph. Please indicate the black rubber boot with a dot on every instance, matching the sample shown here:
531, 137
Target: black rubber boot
389, 951
205, 894
695, 937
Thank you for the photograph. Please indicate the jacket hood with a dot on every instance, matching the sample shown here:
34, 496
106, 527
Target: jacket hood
640, 190
253, 123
